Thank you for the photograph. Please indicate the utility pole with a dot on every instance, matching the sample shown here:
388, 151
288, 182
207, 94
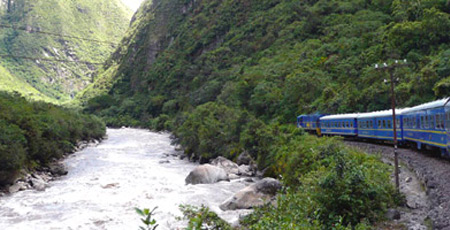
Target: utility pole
391, 70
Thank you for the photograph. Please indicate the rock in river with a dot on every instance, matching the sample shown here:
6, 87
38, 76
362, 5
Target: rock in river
244, 159
58, 169
229, 166
254, 195
206, 174
38, 183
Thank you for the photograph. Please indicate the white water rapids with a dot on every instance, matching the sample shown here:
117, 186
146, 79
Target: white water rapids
106, 182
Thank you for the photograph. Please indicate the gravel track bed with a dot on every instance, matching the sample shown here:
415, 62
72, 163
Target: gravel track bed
433, 171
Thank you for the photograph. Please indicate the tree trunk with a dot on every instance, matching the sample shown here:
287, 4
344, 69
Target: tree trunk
9, 6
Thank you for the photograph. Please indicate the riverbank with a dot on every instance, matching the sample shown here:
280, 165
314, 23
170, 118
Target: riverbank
132, 168
39, 178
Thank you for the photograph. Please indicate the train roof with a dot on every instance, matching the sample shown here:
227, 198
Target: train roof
384, 113
340, 116
429, 105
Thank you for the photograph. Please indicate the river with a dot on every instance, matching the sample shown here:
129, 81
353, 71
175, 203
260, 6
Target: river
106, 182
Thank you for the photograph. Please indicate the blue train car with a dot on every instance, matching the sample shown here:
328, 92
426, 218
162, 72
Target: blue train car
310, 122
379, 125
425, 125
447, 126
343, 124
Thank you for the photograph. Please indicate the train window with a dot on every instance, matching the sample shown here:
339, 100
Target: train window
384, 124
371, 124
389, 124
379, 124
351, 124
438, 121
430, 122
397, 124
422, 122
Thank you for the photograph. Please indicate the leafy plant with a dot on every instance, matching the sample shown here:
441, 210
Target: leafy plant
147, 218
201, 218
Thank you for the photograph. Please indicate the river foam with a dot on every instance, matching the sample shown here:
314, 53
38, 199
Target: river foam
106, 182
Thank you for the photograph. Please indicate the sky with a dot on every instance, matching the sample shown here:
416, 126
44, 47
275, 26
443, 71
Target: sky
133, 4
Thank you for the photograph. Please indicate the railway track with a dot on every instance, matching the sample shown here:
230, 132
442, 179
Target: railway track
432, 170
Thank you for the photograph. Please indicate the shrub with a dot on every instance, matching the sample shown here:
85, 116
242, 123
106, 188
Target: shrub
33, 134
200, 218
212, 130
330, 187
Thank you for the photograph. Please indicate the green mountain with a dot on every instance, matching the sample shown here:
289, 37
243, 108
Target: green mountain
55, 46
277, 58
226, 76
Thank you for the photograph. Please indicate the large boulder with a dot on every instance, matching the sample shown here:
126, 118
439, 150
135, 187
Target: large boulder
38, 183
229, 166
57, 169
255, 195
206, 174
244, 159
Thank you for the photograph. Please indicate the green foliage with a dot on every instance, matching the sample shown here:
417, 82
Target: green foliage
200, 218
212, 130
36, 133
331, 187
228, 76
103, 20
147, 220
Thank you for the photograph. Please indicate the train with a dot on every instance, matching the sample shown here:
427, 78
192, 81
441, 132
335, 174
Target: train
426, 126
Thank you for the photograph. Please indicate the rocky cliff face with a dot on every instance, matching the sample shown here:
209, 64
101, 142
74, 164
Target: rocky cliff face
55, 46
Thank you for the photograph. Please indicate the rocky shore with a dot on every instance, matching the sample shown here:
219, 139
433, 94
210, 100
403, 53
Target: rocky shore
260, 191
39, 178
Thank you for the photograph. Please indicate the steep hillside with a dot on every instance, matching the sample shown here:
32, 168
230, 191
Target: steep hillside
10, 83
225, 75
55, 46
278, 57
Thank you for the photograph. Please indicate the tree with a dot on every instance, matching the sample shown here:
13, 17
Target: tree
9, 6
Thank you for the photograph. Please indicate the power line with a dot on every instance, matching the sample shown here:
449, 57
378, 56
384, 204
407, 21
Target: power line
34, 30
49, 59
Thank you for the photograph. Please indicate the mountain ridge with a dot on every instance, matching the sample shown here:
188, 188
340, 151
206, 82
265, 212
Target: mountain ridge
77, 32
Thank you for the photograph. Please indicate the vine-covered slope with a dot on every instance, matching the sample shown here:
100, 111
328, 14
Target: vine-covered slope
32, 32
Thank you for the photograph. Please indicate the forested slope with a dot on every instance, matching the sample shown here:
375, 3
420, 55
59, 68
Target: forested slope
34, 134
40, 45
225, 76
278, 57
